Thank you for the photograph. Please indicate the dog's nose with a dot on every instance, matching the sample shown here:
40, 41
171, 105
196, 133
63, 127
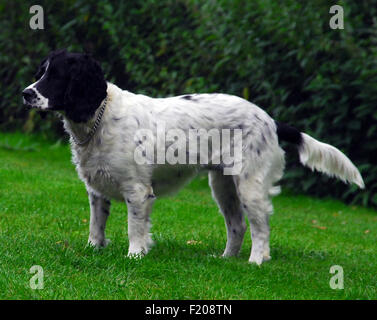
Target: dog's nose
29, 94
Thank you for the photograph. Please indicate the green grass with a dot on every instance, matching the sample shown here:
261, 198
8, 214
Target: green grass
44, 216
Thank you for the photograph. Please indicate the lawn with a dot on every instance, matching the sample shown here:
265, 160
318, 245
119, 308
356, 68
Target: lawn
44, 215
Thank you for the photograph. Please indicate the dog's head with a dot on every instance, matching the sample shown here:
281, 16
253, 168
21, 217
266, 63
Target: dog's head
73, 83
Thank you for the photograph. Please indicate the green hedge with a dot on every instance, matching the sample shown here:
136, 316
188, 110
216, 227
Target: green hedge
282, 56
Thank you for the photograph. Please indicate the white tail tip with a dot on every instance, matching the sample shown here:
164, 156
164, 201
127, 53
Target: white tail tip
327, 159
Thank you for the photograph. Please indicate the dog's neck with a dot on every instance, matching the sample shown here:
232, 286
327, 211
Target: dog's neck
82, 133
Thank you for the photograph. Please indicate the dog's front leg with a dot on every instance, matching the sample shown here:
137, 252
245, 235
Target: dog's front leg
99, 212
139, 201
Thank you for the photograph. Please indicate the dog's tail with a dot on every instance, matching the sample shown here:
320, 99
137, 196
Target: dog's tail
320, 156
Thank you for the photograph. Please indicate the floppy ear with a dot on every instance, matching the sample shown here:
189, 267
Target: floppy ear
86, 88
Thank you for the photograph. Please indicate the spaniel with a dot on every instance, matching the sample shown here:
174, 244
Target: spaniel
134, 148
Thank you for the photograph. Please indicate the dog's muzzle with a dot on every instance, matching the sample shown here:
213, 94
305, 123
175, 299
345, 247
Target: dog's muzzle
33, 98
29, 96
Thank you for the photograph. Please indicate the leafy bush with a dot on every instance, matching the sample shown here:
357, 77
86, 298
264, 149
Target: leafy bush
283, 57
322, 81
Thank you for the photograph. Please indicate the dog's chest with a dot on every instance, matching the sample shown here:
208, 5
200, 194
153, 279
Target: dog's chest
96, 172
101, 180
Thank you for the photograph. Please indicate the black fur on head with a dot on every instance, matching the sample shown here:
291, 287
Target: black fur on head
70, 82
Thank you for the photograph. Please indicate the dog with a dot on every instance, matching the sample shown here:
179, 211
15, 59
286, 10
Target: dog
103, 122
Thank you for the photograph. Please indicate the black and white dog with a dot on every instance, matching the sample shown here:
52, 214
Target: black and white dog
104, 124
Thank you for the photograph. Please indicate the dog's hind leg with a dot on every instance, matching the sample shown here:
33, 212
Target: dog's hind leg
99, 212
254, 198
224, 193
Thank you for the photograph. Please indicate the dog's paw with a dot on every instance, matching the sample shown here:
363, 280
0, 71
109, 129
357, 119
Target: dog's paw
92, 243
136, 252
135, 255
254, 259
229, 253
